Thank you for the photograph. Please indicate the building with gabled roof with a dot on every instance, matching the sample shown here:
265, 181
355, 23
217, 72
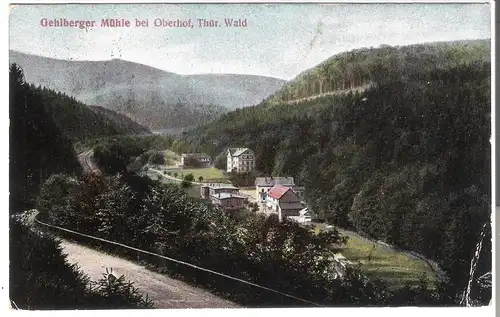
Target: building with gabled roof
240, 160
283, 201
204, 159
264, 184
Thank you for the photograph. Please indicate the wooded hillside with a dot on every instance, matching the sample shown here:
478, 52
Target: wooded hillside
406, 161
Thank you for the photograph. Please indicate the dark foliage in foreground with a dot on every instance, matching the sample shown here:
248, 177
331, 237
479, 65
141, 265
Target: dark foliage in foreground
161, 218
37, 146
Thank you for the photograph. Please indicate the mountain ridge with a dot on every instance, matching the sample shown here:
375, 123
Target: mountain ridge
153, 97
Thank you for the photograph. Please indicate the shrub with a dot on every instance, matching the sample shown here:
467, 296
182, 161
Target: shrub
157, 158
185, 183
191, 161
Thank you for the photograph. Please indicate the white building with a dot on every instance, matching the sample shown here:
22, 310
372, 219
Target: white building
303, 217
240, 160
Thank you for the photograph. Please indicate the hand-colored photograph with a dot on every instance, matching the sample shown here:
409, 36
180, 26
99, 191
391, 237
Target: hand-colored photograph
250, 155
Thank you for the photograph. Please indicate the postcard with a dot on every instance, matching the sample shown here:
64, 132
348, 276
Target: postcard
250, 155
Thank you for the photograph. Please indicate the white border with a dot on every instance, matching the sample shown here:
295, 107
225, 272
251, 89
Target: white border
493, 151
407, 311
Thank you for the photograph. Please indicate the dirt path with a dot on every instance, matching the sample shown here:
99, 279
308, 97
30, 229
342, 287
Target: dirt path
330, 93
163, 290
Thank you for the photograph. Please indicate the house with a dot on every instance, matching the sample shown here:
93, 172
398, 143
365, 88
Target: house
283, 201
240, 160
303, 217
204, 159
208, 190
228, 201
264, 184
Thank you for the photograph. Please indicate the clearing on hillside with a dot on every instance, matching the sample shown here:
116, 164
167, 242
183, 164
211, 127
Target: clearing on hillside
382, 262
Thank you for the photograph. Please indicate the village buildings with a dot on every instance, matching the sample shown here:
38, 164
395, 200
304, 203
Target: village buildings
203, 159
240, 160
208, 190
283, 201
225, 196
228, 201
264, 184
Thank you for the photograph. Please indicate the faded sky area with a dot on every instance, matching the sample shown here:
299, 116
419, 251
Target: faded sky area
281, 40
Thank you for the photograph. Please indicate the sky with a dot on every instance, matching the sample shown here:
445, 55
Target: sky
281, 40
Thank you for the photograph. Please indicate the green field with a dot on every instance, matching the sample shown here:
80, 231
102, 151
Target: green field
394, 267
206, 173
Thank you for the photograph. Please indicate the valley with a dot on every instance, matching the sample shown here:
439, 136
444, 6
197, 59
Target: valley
391, 144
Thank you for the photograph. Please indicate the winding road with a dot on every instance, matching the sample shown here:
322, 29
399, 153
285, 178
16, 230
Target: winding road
85, 159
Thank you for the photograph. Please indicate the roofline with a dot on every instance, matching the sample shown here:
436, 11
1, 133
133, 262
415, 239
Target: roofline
233, 196
288, 189
234, 148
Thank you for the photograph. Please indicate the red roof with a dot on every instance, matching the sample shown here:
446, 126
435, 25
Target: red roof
278, 191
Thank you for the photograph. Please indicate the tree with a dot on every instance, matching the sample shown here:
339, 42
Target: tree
189, 177
38, 147
191, 161
157, 158
221, 161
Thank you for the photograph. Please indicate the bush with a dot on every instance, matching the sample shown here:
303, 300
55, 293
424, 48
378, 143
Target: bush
193, 162
200, 179
189, 177
221, 161
157, 158
185, 184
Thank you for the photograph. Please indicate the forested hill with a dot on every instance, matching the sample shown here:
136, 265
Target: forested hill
121, 121
79, 121
406, 161
155, 98
44, 127
362, 67
38, 148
